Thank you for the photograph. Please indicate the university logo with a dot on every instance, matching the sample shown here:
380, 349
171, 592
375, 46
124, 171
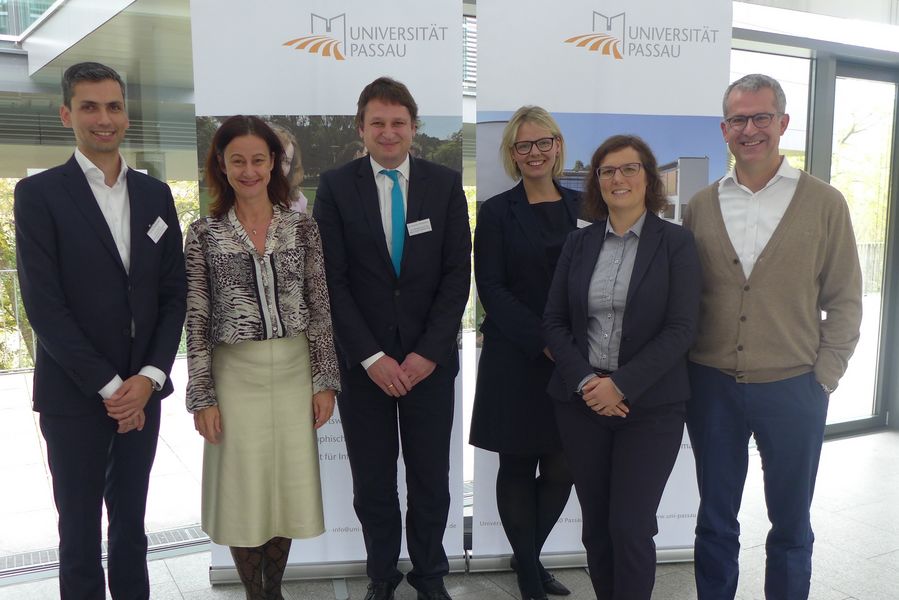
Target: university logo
328, 35
334, 38
607, 36
613, 37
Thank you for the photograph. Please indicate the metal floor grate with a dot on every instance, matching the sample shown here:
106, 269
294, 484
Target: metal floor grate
49, 558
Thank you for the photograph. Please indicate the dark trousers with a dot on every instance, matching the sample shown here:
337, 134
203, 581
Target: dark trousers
620, 468
787, 420
373, 425
91, 463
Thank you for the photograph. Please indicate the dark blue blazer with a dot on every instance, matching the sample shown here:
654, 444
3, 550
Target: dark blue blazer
660, 316
511, 270
371, 307
80, 300
511, 411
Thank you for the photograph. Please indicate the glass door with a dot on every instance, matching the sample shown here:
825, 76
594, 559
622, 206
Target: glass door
861, 158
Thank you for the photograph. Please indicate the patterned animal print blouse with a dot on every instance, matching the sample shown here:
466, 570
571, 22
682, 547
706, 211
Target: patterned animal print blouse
236, 295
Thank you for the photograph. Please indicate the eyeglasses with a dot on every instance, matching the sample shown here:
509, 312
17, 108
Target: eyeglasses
760, 120
543, 145
628, 170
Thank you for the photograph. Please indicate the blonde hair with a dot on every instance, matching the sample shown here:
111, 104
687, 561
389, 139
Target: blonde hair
537, 116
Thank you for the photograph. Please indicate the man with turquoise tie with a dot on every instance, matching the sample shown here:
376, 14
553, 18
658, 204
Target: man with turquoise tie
397, 248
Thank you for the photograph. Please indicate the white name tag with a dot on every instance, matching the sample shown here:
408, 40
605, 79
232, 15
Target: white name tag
582, 223
418, 227
157, 229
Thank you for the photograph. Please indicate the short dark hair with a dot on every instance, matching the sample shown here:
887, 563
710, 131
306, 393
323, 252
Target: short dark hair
595, 207
389, 91
86, 71
221, 191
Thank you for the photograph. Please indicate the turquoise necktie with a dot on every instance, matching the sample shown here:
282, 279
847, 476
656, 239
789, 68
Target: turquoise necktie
397, 220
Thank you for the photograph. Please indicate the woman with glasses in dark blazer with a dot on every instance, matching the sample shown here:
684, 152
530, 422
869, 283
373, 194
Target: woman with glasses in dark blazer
517, 241
621, 315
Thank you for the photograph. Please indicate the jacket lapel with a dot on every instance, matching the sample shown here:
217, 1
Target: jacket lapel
368, 197
571, 204
593, 240
650, 238
141, 220
79, 190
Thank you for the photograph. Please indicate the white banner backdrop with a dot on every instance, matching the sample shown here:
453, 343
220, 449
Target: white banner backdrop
657, 70
313, 58
283, 57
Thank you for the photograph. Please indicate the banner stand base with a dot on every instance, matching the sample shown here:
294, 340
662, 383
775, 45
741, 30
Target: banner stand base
336, 571
479, 564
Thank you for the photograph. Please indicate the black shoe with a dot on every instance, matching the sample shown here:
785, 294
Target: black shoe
438, 594
554, 586
380, 590
551, 585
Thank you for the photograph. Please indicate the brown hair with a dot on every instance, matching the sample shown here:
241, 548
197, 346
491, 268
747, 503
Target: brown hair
221, 191
389, 91
594, 206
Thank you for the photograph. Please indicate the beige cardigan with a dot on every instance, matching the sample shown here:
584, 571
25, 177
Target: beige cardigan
770, 327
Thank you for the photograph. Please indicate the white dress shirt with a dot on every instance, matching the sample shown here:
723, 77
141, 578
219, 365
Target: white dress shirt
751, 217
116, 208
385, 202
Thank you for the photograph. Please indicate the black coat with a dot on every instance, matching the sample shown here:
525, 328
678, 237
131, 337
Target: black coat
512, 412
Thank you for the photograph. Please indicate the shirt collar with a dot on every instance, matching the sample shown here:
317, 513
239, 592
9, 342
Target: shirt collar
785, 171
93, 171
636, 228
403, 168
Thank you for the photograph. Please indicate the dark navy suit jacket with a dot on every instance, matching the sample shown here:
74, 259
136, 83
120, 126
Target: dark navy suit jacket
80, 300
660, 318
371, 307
511, 411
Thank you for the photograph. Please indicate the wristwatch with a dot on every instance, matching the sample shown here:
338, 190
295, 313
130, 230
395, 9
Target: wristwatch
826, 389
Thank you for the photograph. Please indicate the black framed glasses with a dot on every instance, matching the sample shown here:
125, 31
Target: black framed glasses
627, 170
760, 120
543, 145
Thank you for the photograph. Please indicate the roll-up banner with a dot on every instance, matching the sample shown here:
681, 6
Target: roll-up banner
657, 70
301, 66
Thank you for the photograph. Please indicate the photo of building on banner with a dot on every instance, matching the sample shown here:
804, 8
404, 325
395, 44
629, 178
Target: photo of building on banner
601, 69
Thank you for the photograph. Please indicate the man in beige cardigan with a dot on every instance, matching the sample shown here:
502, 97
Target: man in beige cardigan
779, 319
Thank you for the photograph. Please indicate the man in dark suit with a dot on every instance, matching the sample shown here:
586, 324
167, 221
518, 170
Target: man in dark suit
397, 251
102, 278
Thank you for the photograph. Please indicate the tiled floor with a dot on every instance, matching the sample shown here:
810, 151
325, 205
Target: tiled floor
856, 518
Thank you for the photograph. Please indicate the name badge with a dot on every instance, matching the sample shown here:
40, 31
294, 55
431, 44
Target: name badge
157, 229
423, 226
582, 223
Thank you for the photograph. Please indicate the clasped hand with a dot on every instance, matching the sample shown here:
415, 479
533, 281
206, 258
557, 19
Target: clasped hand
127, 404
602, 397
397, 379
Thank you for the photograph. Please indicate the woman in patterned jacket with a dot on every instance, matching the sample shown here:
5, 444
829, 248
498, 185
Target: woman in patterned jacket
261, 362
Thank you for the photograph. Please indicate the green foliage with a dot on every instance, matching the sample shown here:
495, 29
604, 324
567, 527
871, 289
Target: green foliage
16, 336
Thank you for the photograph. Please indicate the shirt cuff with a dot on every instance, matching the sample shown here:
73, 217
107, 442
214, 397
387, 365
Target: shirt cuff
156, 376
580, 386
110, 388
371, 360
